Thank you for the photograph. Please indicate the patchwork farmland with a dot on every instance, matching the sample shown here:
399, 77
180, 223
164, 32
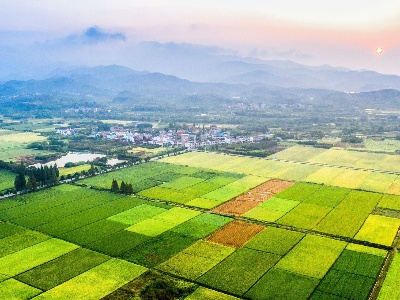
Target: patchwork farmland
288, 227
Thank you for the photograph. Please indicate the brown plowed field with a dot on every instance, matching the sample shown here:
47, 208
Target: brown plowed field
245, 202
235, 234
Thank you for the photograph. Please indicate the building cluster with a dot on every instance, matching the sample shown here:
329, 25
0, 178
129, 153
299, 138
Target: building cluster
191, 138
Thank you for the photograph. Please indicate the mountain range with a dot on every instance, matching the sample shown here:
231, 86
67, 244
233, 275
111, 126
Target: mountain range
124, 85
193, 63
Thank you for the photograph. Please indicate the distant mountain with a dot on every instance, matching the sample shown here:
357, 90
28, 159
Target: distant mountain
123, 85
194, 63
210, 64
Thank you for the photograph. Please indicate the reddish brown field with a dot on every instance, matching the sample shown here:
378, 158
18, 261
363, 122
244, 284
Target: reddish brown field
235, 234
245, 202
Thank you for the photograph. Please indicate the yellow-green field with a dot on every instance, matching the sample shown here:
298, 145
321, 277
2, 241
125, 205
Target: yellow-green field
21, 137
73, 170
152, 151
13, 144
334, 175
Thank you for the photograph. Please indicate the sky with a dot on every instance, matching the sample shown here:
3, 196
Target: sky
341, 33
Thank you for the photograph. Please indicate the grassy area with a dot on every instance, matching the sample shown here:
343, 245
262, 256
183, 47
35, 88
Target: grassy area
73, 170
6, 180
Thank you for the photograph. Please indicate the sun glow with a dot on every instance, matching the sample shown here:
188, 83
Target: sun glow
379, 50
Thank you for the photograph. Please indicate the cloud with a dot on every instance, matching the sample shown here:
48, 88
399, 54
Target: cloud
95, 35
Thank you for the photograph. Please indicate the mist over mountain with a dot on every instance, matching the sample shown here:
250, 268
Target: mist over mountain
94, 47
122, 85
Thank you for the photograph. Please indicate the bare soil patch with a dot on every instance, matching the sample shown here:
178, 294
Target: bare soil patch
235, 234
246, 201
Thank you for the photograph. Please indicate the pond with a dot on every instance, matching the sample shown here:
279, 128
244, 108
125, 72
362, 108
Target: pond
72, 157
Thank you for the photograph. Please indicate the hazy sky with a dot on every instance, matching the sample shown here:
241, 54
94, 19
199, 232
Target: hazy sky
340, 33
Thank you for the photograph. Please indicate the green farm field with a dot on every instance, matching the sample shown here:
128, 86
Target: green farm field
304, 241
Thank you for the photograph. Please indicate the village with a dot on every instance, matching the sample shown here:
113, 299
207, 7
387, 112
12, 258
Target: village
190, 138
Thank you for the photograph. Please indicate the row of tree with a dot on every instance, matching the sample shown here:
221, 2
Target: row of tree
44, 175
124, 188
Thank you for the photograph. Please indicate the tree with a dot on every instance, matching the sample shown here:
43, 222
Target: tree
92, 170
20, 182
129, 189
114, 186
122, 188
31, 184
55, 167
54, 178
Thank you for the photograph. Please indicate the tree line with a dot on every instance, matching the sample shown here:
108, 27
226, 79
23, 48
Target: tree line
44, 175
124, 188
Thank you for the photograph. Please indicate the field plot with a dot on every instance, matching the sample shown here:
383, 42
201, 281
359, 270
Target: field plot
20, 241
61, 269
202, 225
196, 260
324, 175
41, 202
235, 234
378, 182
352, 276
137, 214
339, 157
135, 174
275, 240
244, 165
85, 217
163, 221
272, 209
33, 256
193, 186
335, 176
92, 232
157, 250
299, 192
390, 289
7, 229
117, 243
390, 202
305, 215
281, 284
245, 202
13, 289
390, 163
296, 172
182, 182
349, 215
237, 273
234, 189
312, 256
379, 229
350, 179
328, 196
395, 187
73, 170
298, 153
97, 282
